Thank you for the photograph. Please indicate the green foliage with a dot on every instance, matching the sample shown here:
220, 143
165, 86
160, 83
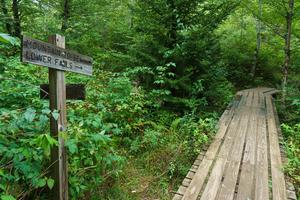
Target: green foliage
25, 141
25, 149
291, 132
7, 39
292, 144
7, 197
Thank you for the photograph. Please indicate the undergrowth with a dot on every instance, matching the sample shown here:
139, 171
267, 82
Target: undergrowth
291, 133
120, 143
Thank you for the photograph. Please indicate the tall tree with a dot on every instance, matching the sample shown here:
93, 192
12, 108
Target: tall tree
65, 15
6, 17
287, 49
258, 39
16, 17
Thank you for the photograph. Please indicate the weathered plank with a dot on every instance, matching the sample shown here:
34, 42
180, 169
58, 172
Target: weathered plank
203, 170
73, 91
216, 176
57, 88
52, 56
236, 164
232, 169
261, 167
177, 197
190, 175
278, 182
181, 190
186, 182
246, 182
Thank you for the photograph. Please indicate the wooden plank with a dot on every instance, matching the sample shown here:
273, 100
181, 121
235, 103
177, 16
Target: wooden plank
253, 183
177, 197
261, 190
194, 168
215, 178
73, 91
278, 182
57, 90
272, 92
230, 176
186, 182
198, 162
190, 175
181, 190
52, 56
246, 182
203, 170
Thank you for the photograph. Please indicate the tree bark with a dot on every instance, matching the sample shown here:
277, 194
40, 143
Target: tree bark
287, 49
173, 24
65, 15
258, 40
16, 17
6, 16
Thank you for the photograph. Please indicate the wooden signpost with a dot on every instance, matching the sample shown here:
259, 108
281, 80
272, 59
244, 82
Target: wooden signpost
57, 59
55, 56
73, 91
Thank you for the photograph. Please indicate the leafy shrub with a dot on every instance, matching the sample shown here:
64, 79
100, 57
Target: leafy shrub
292, 144
25, 151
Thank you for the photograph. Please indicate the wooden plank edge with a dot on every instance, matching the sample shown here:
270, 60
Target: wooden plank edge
228, 113
291, 192
278, 178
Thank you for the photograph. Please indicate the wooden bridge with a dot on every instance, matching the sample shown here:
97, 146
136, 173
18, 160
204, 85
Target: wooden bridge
244, 160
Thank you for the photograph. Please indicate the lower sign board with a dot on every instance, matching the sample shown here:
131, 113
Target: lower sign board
48, 55
73, 91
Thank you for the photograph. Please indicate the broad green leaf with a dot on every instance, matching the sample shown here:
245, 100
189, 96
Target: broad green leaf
46, 111
30, 114
41, 183
55, 114
72, 147
7, 39
7, 197
50, 183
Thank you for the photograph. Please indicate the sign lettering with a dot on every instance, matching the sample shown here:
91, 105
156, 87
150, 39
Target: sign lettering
48, 55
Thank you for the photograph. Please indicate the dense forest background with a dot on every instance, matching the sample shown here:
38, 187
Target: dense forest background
164, 70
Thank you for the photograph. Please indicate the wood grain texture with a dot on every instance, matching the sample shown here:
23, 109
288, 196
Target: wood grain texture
246, 182
73, 91
261, 167
278, 182
54, 56
236, 164
227, 188
216, 176
57, 88
203, 169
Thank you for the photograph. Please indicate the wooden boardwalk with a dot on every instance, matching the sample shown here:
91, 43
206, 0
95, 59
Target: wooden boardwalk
244, 160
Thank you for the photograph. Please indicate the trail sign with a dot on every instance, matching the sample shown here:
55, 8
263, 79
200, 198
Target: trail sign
57, 59
73, 91
49, 55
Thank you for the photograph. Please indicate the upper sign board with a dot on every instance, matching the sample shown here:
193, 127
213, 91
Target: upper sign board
48, 55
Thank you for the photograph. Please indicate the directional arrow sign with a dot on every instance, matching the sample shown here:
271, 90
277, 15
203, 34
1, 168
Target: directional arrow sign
48, 55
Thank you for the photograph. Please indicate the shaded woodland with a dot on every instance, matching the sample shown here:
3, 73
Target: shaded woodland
164, 71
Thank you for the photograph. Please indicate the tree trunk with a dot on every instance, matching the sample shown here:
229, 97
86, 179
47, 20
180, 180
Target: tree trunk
16, 21
173, 24
65, 15
287, 49
258, 39
6, 16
